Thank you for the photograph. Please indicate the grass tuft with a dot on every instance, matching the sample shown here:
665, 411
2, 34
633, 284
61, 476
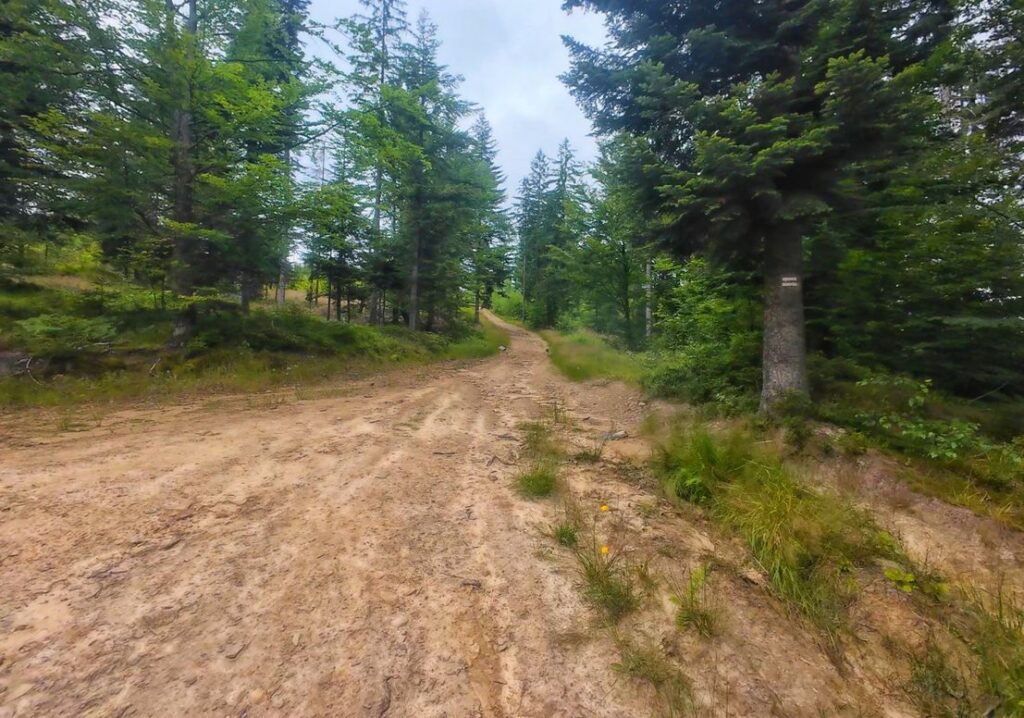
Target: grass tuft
610, 583
937, 687
566, 534
537, 483
543, 453
695, 611
649, 664
993, 627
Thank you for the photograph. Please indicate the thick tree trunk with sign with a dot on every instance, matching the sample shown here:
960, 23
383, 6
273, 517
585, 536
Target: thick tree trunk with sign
784, 358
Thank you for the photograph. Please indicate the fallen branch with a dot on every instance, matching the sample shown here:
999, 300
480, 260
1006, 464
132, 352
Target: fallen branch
495, 457
28, 370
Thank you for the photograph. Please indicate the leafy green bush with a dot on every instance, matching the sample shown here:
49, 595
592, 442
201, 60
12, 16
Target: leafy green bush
906, 415
907, 428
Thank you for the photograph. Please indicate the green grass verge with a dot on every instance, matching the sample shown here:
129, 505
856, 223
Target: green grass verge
102, 345
584, 354
810, 544
485, 341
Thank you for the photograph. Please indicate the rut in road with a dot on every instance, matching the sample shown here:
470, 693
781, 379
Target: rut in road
362, 554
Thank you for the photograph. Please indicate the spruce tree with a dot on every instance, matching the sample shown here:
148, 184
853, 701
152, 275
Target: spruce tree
753, 112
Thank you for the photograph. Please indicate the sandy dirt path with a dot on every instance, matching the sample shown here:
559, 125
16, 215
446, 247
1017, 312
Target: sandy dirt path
356, 555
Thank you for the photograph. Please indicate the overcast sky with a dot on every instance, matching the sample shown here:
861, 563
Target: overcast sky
510, 53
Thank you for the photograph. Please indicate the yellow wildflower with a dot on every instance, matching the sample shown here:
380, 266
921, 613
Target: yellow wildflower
604, 550
604, 507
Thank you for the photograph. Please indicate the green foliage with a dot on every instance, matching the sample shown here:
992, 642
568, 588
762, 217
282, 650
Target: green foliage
993, 626
957, 457
175, 164
904, 580
485, 341
541, 450
566, 534
110, 342
709, 337
937, 687
539, 443
550, 217
508, 303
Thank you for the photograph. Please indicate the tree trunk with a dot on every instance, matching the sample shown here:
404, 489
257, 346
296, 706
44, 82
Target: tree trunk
476, 304
181, 161
374, 305
625, 281
648, 308
250, 289
784, 360
182, 280
282, 285
414, 286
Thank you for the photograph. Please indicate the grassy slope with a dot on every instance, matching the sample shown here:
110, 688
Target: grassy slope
230, 353
583, 354
987, 479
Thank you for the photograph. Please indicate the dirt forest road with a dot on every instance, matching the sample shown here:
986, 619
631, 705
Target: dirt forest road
358, 554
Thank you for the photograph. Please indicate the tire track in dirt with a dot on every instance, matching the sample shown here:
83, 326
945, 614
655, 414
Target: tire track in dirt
361, 554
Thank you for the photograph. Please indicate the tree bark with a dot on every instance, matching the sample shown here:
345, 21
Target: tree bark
181, 161
784, 358
250, 290
282, 285
182, 279
414, 286
648, 308
625, 280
